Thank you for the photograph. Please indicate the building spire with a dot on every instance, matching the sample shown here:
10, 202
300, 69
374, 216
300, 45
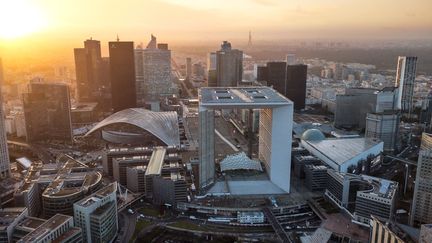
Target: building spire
118, 39
250, 39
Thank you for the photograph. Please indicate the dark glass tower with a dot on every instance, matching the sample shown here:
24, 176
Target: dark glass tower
122, 72
47, 112
276, 72
295, 89
88, 61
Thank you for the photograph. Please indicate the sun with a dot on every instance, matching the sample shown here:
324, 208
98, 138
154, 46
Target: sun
19, 18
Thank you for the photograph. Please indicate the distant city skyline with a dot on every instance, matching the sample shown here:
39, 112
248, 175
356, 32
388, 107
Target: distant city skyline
216, 18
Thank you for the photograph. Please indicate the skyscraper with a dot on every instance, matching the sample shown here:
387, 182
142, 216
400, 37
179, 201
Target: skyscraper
4, 154
384, 126
229, 66
289, 80
122, 72
421, 208
291, 59
153, 73
211, 70
88, 61
295, 86
405, 77
276, 76
47, 112
188, 67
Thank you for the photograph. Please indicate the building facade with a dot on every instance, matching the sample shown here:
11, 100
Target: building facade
96, 215
47, 112
295, 86
4, 154
88, 68
211, 70
229, 66
383, 126
421, 211
153, 73
122, 75
405, 78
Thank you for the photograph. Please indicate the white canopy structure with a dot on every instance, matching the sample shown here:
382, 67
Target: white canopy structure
239, 161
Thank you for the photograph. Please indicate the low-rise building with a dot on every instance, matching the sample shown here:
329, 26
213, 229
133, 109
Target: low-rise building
59, 228
316, 177
361, 196
9, 218
255, 217
341, 154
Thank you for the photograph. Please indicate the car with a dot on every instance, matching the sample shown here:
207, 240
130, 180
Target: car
130, 211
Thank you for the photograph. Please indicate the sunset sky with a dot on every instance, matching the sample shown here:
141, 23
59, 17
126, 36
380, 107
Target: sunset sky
202, 20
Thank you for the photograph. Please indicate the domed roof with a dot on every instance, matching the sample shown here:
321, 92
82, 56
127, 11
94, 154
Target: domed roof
312, 135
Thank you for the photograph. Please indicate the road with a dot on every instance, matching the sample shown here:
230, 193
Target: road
127, 224
226, 141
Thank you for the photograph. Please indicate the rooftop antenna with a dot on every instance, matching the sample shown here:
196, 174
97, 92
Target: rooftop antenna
118, 39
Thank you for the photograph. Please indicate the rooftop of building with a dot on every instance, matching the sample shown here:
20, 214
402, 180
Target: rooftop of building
66, 235
31, 222
342, 150
162, 125
102, 209
156, 161
404, 232
9, 215
98, 195
46, 228
378, 187
242, 96
138, 168
66, 177
84, 106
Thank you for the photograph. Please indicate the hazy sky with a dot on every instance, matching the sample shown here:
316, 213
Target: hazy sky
202, 20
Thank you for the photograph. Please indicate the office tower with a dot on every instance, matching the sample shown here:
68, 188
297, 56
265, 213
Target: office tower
4, 154
188, 67
405, 78
96, 215
262, 73
295, 86
291, 59
363, 101
122, 72
289, 80
153, 66
88, 61
229, 66
136, 178
276, 76
421, 210
211, 70
47, 112
384, 126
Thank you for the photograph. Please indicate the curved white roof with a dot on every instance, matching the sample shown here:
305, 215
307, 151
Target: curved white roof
239, 162
163, 125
